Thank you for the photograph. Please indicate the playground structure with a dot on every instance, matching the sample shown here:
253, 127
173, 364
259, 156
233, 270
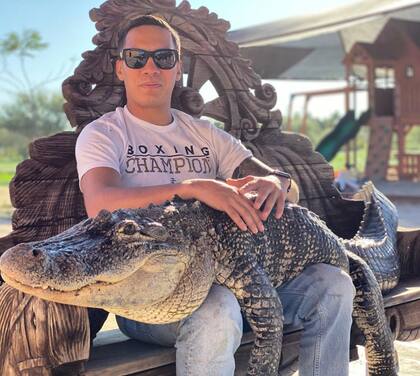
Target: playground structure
389, 70
372, 46
345, 130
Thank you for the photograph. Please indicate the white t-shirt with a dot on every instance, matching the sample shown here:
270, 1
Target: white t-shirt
145, 154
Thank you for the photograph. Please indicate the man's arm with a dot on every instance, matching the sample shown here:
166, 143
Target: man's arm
252, 166
102, 189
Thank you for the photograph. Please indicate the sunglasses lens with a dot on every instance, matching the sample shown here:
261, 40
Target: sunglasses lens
135, 59
165, 59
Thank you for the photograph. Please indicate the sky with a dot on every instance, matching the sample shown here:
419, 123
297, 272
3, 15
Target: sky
66, 27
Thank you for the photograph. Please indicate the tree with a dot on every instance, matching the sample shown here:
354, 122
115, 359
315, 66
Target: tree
23, 47
34, 111
49, 118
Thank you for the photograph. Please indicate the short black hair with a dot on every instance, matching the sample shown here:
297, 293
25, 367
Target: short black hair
148, 20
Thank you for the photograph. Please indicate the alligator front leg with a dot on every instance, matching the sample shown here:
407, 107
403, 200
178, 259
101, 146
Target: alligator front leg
262, 308
369, 315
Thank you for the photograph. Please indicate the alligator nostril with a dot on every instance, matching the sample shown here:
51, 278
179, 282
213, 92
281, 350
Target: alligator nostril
36, 252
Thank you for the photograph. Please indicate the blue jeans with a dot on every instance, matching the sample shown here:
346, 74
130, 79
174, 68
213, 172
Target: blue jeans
319, 300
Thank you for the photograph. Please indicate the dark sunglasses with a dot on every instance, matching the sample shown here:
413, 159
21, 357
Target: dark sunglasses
136, 58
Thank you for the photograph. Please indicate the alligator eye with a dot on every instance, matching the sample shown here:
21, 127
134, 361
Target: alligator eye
128, 228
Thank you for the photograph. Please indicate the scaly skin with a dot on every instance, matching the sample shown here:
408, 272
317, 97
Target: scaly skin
157, 265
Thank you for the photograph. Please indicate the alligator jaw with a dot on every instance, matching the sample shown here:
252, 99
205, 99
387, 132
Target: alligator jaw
159, 278
45, 292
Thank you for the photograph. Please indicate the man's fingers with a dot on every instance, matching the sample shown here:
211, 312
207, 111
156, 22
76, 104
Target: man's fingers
279, 206
269, 204
238, 183
249, 215
249, 187
267, 196
261, 197
247, 218
255, 213
235, 217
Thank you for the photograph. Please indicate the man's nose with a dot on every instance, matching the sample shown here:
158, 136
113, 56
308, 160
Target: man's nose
150, 67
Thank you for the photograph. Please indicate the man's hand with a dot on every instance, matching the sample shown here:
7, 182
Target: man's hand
271, 191
224, 197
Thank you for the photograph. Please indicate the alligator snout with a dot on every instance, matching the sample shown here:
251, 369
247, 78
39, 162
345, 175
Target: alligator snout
17, 261
27, 250
20, 253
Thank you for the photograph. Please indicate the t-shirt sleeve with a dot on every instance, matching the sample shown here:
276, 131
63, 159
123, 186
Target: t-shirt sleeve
230, 152
97, 146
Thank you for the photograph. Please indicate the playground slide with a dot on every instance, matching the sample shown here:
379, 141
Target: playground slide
344, 131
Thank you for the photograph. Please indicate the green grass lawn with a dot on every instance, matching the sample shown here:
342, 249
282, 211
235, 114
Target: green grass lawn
5, 178
339, 161
7, 171
5, 211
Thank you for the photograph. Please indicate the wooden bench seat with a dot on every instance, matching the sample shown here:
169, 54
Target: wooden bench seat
114, 354
406, 291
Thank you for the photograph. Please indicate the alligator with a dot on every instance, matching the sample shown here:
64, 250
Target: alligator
157, 264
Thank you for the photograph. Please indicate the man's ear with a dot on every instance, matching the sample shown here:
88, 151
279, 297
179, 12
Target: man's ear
179, 71
119, 69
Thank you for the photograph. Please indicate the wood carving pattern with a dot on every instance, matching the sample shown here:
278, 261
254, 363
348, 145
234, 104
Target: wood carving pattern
37, 336
94, 88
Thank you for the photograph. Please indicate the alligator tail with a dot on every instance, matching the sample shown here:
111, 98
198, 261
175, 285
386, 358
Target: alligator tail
375, 241
368, 314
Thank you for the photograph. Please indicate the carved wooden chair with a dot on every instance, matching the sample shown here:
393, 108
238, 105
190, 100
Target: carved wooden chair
47, 199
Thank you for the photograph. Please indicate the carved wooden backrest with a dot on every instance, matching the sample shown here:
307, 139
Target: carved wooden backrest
45, 189
94, 89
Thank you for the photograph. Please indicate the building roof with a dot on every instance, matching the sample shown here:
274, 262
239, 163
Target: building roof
312, 47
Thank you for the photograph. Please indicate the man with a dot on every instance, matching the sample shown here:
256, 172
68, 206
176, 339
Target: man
146, 153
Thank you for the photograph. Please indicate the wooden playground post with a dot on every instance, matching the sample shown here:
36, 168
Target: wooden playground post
346, 109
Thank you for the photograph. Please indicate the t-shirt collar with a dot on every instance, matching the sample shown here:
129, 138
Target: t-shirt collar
150, 126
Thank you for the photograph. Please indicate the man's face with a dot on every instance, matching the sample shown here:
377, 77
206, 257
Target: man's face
148, 87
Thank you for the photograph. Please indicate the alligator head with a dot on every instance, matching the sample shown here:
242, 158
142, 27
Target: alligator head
118, 261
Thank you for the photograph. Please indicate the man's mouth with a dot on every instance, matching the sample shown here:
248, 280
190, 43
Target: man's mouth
151, 85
